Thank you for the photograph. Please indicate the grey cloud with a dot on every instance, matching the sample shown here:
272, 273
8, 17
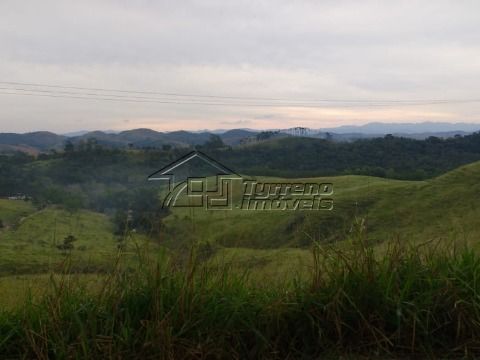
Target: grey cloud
237, 122
294, 49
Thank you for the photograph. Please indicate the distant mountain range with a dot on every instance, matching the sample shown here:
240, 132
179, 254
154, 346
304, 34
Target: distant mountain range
379, 128
36, 142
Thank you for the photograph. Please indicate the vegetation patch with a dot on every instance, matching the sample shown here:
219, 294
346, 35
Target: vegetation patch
412, 301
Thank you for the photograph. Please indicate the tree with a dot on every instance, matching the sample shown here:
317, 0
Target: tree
69, 147
120, 222
214, 142
91, 144
265, 135
67, 243
72, 202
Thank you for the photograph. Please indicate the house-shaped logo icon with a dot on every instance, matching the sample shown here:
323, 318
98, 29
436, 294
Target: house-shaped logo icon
211, 187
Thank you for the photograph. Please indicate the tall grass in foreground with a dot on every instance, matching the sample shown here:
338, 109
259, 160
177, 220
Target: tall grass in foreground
410, 301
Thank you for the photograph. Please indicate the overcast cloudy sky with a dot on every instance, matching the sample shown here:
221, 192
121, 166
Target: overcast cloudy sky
299, 51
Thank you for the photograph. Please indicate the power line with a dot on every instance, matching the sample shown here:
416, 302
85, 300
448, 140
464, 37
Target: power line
151, 92
169, 94
107, 95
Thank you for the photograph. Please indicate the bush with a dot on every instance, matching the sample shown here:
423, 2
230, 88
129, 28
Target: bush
67, 243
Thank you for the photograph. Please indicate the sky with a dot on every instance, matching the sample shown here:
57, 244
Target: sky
261, 64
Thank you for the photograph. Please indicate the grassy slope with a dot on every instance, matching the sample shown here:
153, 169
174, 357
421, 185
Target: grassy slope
17, 289
12, 211
428, 309
31, 246
273, 243
271, 229
445, 207
442, 208
407, 304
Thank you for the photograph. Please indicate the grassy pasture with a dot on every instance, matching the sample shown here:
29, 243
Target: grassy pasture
392, 271
444, 208
270, 244
407, 303
17, 290
12, 211
32, 246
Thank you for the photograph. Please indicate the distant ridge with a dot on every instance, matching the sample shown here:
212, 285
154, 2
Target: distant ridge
83, 132
404, 128
40, 141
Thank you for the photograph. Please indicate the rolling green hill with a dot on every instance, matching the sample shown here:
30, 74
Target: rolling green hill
272, 229
346, 287
445, 208
442, 208
12, 211
35, 243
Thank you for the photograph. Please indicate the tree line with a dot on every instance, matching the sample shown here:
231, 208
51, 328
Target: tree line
113, 180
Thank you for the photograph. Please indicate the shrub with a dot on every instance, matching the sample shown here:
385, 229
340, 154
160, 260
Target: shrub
67, 243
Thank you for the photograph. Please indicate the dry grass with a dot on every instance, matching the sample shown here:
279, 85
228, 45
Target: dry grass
410, 302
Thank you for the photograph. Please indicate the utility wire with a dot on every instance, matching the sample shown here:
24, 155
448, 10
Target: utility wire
369, 101
108, 97
207, 100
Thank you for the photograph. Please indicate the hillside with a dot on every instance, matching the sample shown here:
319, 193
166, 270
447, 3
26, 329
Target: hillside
40, 140
235, 136
34, 244
442, 208
11, 212
445, 209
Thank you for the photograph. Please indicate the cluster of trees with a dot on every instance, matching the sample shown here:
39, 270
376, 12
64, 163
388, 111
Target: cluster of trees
214, 143
391, 157
113, 181
89, 176
139, 209
13, 177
